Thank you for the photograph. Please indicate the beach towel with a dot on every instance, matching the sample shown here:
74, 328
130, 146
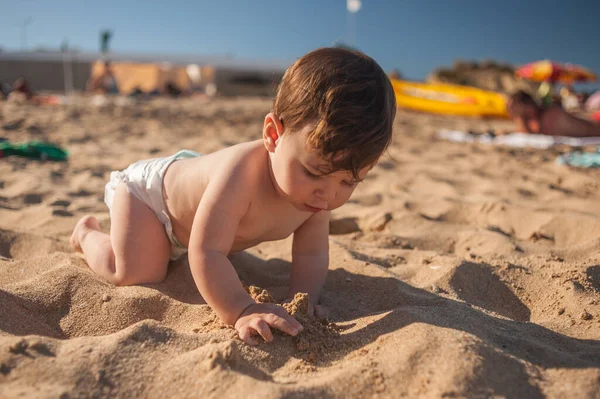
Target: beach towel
580, 159
520, 140
33, 150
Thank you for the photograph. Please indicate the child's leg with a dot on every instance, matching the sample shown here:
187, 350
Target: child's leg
137, 250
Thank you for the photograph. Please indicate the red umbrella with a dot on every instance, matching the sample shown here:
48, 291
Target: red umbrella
580, 74
548, 71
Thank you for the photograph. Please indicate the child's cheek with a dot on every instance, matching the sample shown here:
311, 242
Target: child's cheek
346, 194
293, 182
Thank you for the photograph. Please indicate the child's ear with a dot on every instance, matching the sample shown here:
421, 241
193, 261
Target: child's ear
272, 131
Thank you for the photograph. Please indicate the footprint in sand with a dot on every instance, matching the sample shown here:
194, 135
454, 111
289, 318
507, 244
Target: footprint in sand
367, 200
385, 241
61, 203
525, 193
33, 198
35, 129
13, 125
387, 165
100, 171
375, 222
16, 245
80, 139
15, 203
80, 193
343, 226
61, 212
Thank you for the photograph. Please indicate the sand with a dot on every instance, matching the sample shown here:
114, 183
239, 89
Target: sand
457, 270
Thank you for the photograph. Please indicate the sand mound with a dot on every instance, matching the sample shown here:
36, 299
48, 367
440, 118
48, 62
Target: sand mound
456, 270
318, 339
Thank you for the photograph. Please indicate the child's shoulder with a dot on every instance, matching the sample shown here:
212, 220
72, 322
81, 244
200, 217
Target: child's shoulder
240, 163
239, 156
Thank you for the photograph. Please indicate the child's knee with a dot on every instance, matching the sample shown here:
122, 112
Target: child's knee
123, 277
121, 280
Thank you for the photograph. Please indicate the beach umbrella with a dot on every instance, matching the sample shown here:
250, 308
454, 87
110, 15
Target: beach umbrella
577, 73
353, 6
554, 72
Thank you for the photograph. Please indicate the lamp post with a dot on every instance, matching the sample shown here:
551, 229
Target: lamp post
353, 6
67, 67
26, 22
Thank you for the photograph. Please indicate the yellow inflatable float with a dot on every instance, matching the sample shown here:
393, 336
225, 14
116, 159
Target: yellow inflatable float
449, 99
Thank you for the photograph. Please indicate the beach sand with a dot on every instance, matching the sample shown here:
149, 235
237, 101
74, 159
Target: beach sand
457, 270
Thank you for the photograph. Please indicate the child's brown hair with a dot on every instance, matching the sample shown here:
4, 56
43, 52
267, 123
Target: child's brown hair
347, 97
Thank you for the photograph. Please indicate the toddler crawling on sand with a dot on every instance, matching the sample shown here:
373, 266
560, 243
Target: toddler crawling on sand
331, 121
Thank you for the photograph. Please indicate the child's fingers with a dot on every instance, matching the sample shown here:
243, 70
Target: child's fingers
285, 323
246, 336
262, 328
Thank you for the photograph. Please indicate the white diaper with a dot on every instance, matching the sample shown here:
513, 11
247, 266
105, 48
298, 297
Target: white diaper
144, 179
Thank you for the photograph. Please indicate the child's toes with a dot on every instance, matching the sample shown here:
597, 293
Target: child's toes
85, 223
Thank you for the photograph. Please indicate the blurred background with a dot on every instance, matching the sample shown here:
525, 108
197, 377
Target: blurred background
242, 47
466, 265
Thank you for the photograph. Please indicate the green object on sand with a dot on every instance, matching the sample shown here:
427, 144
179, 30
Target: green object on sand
580, 159
34, 150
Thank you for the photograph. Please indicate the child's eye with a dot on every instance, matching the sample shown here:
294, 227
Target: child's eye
310, 175
349, 184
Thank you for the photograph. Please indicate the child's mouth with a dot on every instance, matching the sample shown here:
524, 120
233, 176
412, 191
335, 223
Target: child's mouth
312, 208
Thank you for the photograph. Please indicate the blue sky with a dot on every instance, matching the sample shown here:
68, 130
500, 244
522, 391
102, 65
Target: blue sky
414, 36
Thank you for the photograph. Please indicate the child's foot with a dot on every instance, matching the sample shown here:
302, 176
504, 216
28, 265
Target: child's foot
83, 226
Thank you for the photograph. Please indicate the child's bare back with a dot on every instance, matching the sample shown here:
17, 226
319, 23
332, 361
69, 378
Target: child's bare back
331, 121
268, 217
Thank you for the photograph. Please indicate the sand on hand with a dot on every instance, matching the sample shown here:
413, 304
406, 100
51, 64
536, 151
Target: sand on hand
318, 338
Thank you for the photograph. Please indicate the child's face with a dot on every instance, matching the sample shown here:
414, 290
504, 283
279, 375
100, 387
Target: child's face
297, 173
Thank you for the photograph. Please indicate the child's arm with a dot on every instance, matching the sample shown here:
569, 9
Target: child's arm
224, 203
310, 256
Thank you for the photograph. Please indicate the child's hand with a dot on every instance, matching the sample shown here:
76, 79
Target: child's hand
257, 318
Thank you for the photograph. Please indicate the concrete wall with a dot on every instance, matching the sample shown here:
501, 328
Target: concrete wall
237, 82
44, 75
48, 75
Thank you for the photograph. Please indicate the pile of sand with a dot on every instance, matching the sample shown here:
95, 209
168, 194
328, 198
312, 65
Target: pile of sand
318, 338
457, 270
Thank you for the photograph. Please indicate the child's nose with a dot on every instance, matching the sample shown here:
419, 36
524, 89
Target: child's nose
325, 193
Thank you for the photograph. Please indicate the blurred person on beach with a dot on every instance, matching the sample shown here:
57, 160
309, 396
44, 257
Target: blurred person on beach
20, 90
546, 93
172, 90
569, 99
105, 82
5, 90
553, 120
330, 122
